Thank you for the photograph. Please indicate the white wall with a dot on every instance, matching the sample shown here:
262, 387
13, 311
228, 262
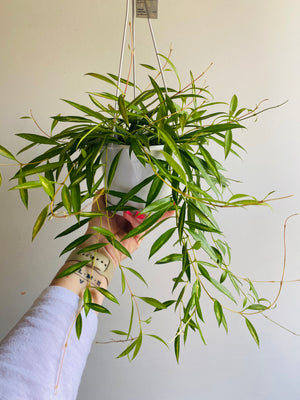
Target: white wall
45, 50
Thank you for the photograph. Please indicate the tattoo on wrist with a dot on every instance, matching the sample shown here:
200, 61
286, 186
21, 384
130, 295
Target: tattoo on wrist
89, 277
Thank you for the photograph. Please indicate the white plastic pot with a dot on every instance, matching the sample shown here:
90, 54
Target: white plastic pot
130, 172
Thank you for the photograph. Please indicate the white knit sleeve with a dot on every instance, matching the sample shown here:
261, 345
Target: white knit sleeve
33, 356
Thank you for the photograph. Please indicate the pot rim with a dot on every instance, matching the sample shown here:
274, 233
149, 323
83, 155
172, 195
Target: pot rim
126, 146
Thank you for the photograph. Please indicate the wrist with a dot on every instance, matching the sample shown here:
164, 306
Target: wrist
99, 261
80, 279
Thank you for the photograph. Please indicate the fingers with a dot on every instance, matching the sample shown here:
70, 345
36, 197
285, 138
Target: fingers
135, 218
167, 214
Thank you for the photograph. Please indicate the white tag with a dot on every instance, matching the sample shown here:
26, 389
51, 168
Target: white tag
146, 9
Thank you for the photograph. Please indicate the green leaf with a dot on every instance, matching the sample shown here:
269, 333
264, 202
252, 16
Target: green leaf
233, 105
252, 289
92, 247
228, 142
66, 199
122, 80
122, 108
153, 302
186, 261
75, 243
176, 167
204, 271
173, 68
170, 258
218, 311
167, 138
107, 294
105, 232
138, 344
102, 77
78, 325
38, 170
166, 304
148, 67
159, 93
117, 332
117, 245
147, 223
112, 169
85, 109
161, 241
54, 123
199, 165
5, 153
131, 318
37, 138
76, 199
158, 338
201, 227
87, 296
154, 190
222, 289
137, 274
122, 194
23, 192
72, 268
211, 163
157, 205
73, 228
177, 347
257, 307
40, 221
97, 308
89, 214
133, 191
127, 350
181, 294
252, 331
223, 276
123, 281
224, 323
27, 185
47, 185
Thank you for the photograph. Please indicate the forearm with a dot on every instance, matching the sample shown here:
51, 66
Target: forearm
42, 351
79, 280
32, 355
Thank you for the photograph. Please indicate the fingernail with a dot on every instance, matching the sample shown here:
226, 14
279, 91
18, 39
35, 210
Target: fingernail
128, 212
140, 216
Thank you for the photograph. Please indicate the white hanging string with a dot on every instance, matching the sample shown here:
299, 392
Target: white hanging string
133, 50
122, 50
155, 48
133, 44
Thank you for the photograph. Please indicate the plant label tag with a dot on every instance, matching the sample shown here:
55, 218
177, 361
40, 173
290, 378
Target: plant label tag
146, 9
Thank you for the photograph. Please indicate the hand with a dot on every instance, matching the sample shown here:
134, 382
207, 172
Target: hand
118, 225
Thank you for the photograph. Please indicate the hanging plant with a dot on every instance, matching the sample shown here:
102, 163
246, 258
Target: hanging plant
170, 134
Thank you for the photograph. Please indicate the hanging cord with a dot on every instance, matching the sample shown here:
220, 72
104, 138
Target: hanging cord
133, 50
122, 50
155, 48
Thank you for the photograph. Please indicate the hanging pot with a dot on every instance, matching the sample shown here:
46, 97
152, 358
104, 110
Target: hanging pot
130, 172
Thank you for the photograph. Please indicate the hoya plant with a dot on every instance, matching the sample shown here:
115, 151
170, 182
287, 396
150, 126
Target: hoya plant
185, 125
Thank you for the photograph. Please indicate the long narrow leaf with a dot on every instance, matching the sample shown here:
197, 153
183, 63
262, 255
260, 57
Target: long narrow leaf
40, 221
7, 154
75, 243
161, 241
113, 168
73, 268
